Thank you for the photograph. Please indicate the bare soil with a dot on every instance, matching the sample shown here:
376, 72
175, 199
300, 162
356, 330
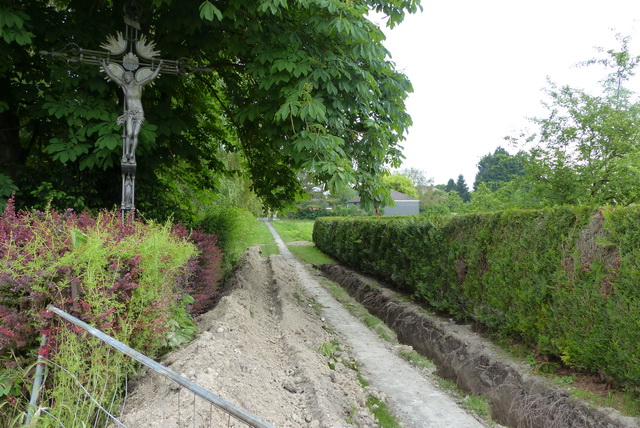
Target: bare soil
258, 350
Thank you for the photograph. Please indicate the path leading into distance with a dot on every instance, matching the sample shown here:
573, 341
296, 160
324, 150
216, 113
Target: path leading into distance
414, 399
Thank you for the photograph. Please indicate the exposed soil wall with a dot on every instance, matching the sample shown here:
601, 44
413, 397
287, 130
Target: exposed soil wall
517, 397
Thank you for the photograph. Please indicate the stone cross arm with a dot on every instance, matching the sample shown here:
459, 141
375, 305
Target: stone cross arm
72, 53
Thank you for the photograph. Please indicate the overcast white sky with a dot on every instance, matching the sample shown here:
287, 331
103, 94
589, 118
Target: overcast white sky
478, 68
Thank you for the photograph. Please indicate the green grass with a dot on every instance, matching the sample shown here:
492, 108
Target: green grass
294, 230
262, 237
381, 412
416, 359
301, 230
310, 254
626, 402
363, 381
477, 405
474, 403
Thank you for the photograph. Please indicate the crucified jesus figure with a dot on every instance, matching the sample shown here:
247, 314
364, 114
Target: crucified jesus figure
133, 116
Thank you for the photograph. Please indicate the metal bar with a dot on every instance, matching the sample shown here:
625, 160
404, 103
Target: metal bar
37, 382
86, 56
159, 368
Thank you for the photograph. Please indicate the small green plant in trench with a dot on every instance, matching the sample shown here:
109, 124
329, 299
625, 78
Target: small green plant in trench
416, 359
475, 404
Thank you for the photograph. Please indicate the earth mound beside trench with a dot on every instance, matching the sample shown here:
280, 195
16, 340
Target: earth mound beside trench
258, 350
517, 397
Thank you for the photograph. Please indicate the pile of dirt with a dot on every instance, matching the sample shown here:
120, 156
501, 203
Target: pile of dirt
258, 350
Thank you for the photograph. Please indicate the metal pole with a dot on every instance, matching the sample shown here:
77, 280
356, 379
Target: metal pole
159, 368
37, 383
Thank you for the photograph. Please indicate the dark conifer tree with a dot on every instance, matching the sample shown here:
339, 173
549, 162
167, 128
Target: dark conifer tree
462, 189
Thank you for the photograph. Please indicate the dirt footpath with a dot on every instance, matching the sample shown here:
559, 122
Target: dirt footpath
414, 398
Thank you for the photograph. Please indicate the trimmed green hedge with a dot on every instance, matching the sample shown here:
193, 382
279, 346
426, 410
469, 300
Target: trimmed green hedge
564, 280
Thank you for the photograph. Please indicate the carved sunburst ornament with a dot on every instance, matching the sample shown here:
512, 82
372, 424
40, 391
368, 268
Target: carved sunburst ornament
146, 50
116, 45
130, 62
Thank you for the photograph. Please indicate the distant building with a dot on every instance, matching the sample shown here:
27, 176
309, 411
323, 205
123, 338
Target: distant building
403, 204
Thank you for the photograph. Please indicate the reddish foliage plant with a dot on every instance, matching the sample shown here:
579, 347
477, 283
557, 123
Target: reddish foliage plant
33, 274
203, 287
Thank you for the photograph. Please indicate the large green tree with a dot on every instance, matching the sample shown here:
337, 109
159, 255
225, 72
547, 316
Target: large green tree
587, 149
462, 189
401, 183
450, 186
498, 168
418, 176
290, 85
422, 184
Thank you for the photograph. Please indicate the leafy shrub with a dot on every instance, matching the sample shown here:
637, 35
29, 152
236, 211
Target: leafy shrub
349, 211
233, 226
7, 188
564, 280
307, 213
207, 272
128, 279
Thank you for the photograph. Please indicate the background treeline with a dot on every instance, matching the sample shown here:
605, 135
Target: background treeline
584, 150
563, 280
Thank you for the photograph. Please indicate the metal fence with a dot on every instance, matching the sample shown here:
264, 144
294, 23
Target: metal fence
197, 407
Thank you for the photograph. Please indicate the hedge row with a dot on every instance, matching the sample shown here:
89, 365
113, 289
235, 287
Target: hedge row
564, 280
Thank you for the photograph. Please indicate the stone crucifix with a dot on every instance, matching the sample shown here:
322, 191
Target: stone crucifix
131, 62
131, 77
131, 85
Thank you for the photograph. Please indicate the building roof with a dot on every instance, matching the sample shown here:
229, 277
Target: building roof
395, 195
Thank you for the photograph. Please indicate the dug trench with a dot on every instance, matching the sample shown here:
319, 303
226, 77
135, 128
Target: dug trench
517, 397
